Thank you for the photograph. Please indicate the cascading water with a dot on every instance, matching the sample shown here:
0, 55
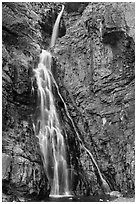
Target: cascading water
48, 130
47, 127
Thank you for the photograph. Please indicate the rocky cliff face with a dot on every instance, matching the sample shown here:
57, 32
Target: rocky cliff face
96, 59
93, 64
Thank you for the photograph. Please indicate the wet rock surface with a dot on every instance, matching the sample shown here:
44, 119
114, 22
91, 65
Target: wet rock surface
94, 67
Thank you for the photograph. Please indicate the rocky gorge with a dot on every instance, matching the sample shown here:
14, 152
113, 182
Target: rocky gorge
93, 66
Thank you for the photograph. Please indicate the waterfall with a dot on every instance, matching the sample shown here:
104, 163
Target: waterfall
48, 131
47, 127
55, 29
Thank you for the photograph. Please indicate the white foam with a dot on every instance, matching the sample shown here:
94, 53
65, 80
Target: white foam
61, 196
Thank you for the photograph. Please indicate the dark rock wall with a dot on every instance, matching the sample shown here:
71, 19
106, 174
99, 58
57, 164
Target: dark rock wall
94, 67
96, 59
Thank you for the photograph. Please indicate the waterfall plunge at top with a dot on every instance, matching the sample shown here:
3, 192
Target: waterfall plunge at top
47, 127
55, 29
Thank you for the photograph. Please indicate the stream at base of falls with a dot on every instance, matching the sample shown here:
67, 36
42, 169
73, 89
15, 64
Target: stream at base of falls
102, 198
73, 198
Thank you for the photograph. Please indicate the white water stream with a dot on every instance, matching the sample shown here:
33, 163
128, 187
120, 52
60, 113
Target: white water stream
48, 130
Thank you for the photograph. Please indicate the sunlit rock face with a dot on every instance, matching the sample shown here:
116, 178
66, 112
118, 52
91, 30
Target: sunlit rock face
96, 78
